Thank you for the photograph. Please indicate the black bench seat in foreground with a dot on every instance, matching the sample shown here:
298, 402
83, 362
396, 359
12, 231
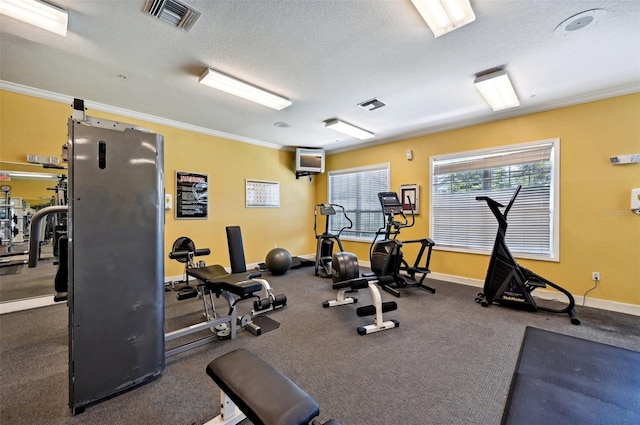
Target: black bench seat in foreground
251, 388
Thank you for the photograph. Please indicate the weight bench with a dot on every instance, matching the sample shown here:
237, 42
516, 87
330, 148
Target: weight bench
251, 388
215, 281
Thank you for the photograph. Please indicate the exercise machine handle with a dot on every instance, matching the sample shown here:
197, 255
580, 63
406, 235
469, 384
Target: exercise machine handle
413, 216
495, 205
34, 230
327, 209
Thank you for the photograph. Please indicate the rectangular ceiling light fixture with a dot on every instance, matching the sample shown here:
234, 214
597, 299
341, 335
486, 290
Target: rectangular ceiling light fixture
32, 176
38, 13
443, 16
230, 85
348, 129
497, 90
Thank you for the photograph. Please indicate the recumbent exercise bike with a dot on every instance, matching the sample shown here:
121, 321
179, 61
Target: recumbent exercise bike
347, 279
386, 255
509, 284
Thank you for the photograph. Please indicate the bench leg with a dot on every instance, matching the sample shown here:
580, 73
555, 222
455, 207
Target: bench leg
341, 299
379, 323
229, 412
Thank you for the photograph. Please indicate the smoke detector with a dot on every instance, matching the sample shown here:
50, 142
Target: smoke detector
172, 12
580, 21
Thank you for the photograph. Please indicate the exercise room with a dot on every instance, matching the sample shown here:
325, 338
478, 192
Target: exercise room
329, 212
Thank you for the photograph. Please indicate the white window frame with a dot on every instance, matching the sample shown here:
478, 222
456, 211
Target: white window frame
554, 204
376, 167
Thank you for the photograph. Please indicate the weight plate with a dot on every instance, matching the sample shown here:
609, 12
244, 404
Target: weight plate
245, 320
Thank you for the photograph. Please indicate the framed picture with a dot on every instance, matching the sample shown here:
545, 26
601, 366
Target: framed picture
192, 195
410, 198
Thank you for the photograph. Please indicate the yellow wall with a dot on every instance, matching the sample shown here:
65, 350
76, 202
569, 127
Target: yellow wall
598, 232
33, 125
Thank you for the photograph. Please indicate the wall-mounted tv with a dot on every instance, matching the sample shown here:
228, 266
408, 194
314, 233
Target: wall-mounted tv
309, 160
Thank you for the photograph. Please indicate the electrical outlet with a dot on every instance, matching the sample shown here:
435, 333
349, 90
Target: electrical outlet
595, 276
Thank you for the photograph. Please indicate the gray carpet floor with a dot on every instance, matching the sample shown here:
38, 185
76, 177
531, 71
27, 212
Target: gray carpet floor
449, 362
22, 282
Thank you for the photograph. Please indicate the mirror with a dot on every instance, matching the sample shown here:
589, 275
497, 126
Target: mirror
26, 188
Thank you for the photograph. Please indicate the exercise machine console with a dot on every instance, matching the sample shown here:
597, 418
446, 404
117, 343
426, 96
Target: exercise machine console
509, 284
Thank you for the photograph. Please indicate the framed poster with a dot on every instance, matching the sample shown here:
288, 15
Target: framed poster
410, 198
192, 195
262, 193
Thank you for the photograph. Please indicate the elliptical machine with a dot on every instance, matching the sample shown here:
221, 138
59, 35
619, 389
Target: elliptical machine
324, 245
386, 255
509, 284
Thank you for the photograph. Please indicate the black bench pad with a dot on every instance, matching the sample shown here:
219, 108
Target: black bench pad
363, 282
357, 283
216, 278
263, 394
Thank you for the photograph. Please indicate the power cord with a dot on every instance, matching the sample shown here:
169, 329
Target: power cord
584, 297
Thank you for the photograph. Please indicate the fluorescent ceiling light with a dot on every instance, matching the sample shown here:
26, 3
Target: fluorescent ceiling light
33, 176
38, 13
241, 89
349, 129
497, 90
443, 16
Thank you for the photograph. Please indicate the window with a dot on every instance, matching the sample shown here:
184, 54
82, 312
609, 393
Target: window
460, 223
356, 189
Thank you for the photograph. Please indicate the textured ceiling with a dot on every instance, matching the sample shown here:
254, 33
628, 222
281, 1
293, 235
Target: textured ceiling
326, 56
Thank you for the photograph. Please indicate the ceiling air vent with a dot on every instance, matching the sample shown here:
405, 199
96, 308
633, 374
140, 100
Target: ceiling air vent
172, 12
372, 105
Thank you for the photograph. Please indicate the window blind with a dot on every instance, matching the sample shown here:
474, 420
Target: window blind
460, 222
356, 189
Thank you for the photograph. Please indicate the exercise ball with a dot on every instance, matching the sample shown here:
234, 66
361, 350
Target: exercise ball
278, 261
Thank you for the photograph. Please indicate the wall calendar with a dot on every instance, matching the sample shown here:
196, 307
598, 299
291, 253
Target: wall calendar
262, 193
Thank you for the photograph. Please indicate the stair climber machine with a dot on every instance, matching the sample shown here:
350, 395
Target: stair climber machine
325, 241
509, 284
386, 256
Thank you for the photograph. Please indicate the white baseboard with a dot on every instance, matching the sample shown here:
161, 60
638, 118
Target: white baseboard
550, 295
176, 278
457, 279
27, 304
